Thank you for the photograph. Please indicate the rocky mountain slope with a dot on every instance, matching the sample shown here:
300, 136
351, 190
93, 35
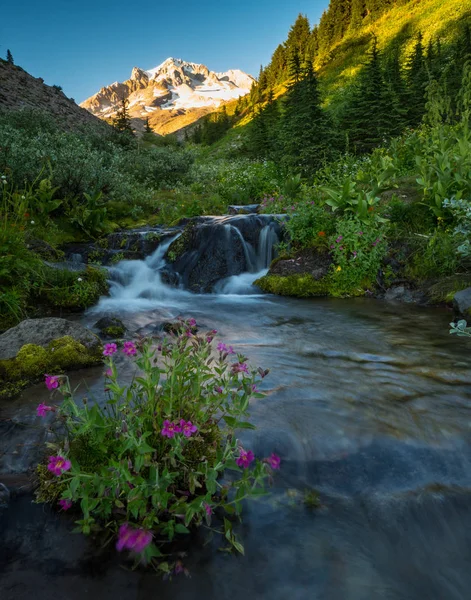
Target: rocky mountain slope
19, 89
172, 95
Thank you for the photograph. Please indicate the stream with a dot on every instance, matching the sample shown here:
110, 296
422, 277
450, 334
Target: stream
367, 402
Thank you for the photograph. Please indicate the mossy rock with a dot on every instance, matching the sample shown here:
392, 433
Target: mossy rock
444, 290
110, 327
182, 244
32, 362
300, 285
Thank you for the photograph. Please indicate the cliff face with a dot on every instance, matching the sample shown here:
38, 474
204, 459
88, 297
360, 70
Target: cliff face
19, 89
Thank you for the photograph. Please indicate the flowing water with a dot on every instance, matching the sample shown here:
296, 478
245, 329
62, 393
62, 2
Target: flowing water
367, 402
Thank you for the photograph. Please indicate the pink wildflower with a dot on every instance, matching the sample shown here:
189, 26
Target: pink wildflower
218, 389
274, 461
43, 409
360, 233
170, 429
221, 347
208, 509
65, 504
187, 428
110, 349
240, 368
339, 239
58, 465
136, 540
230, 350
245, 458
109, 372
254, 389
129, 349
192, 322
51, 381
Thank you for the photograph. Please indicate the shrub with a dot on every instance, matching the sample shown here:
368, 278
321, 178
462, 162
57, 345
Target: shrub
155, 463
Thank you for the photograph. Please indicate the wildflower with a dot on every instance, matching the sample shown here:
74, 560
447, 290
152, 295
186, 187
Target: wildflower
43, 409
136, 540
321, 234
65, 504
51, 381
188, 333
209, 338
371, 209
332, 246
274, 461
222, 347
360, 233
254, 389
339, 239
26, 215
32, 222
340, 247
354, 254
208, 509
187, 428
58, 465
179, 568
219, 389
110, 349
339, 268
129, 349
240, 368
245, 458
230, 350
170, 429
4, 181
109, 372
192, 322
79, 279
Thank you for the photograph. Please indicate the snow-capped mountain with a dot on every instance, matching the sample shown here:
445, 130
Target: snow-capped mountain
170, 90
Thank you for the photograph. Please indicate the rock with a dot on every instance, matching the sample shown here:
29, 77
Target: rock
4, 496
462, 303
41, 332
247, 209
401, 293
311, 261
110, 327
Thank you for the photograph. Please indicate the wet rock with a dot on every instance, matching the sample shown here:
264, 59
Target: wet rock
313, 262
247, 209
401, 293
462, 303
41, 332
110, 327
4, 496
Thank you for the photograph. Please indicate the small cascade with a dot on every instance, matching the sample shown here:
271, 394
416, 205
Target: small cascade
222, 255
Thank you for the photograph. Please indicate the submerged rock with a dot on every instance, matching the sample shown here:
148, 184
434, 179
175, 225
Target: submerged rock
110, 327
39, 346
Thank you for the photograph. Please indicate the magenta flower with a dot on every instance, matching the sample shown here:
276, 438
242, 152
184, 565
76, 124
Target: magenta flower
254, 389
187, 428
332, 246
230, 350
240, 368
51, 381
209, 339
65, 504
339, 239
109, 372
222, 347
274, 461
354, 254
245, 458
208, 509
188, 333
219, 389
340, 247
129, 349
135, 540
192, 322
110, 349
58, 465
170, 429
43, 409
360, 233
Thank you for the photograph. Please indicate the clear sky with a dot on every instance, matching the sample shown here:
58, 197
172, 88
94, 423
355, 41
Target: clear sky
83, 45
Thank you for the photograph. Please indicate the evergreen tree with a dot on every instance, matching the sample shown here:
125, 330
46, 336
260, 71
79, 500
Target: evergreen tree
370, 115
263, 132
122, 120
306, 129
148, 127
299, 36
417, 81
10, 60
358, 10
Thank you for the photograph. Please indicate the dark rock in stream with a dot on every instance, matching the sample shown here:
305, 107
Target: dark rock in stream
110, 327
402, 293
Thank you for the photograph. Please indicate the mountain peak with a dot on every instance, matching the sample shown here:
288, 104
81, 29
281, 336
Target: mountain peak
174, 87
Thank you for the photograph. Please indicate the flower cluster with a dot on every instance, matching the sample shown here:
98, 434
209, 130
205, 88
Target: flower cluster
58, 465
132, 539
186, 427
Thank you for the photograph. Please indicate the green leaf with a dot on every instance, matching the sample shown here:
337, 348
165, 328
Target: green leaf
179, 528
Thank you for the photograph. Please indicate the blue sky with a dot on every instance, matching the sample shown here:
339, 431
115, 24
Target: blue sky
84, 45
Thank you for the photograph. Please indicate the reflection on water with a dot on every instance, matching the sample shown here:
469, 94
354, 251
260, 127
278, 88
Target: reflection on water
367, 402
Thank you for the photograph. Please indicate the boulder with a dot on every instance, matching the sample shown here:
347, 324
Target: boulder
401, 293
462, 303
41, 332
110, 327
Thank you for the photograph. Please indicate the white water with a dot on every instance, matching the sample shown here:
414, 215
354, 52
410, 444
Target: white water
137, 285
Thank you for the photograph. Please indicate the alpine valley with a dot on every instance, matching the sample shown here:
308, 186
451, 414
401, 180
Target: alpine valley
171, 96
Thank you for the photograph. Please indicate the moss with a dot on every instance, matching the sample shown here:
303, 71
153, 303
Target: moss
50, 488
182, 243
32, 362
114, 331
444, 291
301, 285
75, 291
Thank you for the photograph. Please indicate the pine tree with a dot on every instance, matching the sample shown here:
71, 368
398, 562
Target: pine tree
358, 11
305, 127
122, 120
10, 60
299, 36
370, 114
417, 81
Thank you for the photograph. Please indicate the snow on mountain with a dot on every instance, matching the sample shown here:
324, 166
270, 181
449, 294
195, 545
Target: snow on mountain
175, 85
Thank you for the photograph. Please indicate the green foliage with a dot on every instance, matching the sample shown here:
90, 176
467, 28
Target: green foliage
122, 120
90, 216
72, 290
434, 257
300, 286
124, 469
